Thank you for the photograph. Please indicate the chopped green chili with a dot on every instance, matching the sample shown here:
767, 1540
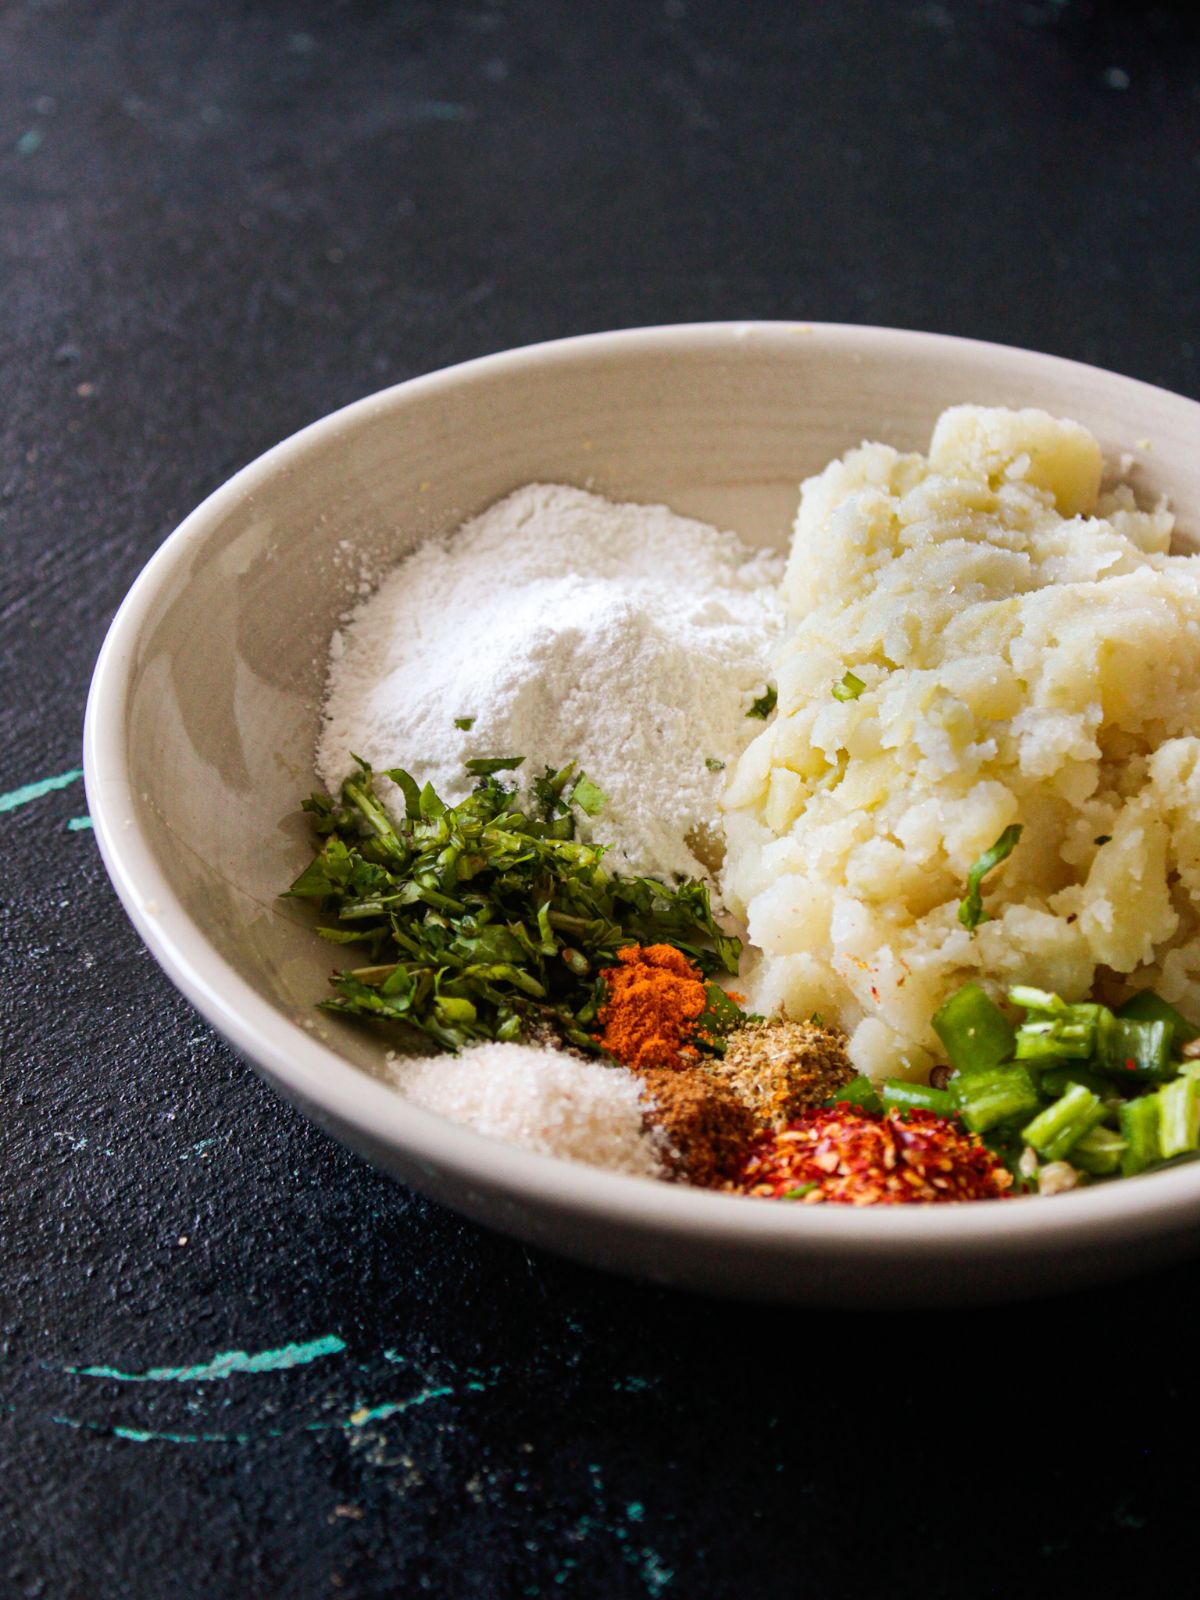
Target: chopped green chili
989, 1096
1099, 1152
1179, 1117
974, 1031
849, 688
860, 1092
1043, 1000
1146, 1006
1055, 1039
897, 1094
1055, 1081
1139, 1123
1054, 1130
1129, 1049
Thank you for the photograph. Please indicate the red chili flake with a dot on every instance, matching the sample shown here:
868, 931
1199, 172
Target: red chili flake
861, 1158
1130, 1065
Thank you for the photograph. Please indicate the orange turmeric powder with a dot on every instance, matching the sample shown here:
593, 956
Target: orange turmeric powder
655, 998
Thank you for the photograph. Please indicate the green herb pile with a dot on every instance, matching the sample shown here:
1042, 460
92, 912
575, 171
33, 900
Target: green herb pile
1111, 1093
489, 919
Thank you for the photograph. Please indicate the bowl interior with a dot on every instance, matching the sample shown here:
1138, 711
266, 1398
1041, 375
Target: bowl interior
202, 733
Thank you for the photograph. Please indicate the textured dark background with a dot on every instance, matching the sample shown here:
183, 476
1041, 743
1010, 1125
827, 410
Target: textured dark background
217, 222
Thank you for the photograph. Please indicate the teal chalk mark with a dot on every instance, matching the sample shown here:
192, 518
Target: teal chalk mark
360, 1418
365, 1414
78, 1142
29, 142
78, 824
148, 1436
199, 1150
35, 791
235, 1360
656, 1575
144, 1436
224, 1364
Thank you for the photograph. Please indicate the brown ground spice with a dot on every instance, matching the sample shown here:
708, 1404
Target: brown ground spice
707, 1127
779, 1069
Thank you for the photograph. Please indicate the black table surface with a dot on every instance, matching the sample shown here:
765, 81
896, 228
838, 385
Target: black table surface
219, 221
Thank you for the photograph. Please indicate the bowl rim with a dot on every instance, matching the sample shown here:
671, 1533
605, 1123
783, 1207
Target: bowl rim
339, 1093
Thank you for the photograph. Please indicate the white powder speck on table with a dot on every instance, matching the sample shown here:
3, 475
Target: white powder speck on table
566, 627
541, 1100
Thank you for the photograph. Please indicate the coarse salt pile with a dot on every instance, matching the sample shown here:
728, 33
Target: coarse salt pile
542, 1100
559, 626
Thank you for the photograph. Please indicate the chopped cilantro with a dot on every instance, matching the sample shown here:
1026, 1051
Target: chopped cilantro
484, 766
970, 911
589, 797
765, 704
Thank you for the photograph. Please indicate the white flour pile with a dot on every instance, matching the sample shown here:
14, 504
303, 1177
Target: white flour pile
541, 1100
566, 628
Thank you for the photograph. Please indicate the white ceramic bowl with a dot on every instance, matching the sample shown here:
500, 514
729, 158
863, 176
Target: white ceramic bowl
203, 713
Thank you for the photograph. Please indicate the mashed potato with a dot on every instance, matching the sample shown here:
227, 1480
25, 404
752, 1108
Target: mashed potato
1030, 653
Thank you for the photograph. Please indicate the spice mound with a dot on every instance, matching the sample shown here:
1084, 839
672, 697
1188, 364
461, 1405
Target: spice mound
703, 1125
654, 999
780, 1069
861, 1158
542, 1100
